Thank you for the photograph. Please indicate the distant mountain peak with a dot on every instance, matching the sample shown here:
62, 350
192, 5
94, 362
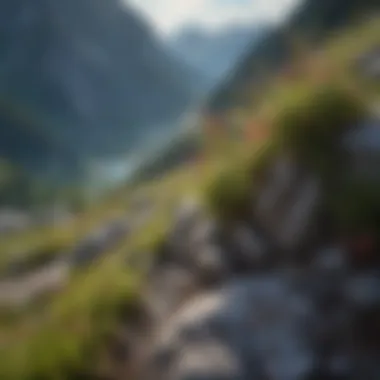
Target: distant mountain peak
215, 51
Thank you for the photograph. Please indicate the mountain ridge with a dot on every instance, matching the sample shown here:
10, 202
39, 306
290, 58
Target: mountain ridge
81, 79
314, 20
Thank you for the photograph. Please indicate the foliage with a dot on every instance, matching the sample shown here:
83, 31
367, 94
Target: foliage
356, 208
66, 337
228, 193
312, 124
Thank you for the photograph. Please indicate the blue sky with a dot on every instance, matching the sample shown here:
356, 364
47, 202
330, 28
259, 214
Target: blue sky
170, 15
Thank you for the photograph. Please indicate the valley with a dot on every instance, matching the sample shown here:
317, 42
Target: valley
245, 244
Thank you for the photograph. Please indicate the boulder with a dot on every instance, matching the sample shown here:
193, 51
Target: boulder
168, 287
252, 328
206, 231
207, 361
363, 290
12, 221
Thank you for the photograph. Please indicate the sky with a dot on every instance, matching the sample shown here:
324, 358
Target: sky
169, 16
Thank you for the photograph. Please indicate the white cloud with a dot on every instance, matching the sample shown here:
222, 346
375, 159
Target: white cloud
169, 15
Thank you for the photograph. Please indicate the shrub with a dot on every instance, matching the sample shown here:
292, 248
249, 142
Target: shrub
228, 194
356, 208
313, 122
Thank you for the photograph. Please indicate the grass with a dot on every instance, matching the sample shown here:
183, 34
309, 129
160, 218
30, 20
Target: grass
67, 336
305, 115
40, 241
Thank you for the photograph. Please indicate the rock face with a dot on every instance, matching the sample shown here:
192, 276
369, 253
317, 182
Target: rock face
82, 78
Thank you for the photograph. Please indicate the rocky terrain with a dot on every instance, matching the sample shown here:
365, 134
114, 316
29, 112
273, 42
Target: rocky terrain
276, 296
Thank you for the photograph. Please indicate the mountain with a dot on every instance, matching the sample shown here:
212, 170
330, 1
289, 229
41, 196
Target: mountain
82, 79
215, 52
314, 21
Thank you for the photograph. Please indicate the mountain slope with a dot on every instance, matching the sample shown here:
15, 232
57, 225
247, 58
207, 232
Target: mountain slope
314, 20
82, 78
215, 53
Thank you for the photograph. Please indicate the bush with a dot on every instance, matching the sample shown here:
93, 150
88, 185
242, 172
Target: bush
228, 194
313, 122
356, 208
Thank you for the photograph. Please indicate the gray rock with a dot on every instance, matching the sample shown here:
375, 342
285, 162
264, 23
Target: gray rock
363, 144
42, 282
330, 260
188, 213
363, 291
99, 242
250, 250
326, 278
299, 219
257, 327
55, 215
13, 221
287, 203
207, 361
211, 264
167, 289
187, 219
280, 180
369, 64
204, 232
